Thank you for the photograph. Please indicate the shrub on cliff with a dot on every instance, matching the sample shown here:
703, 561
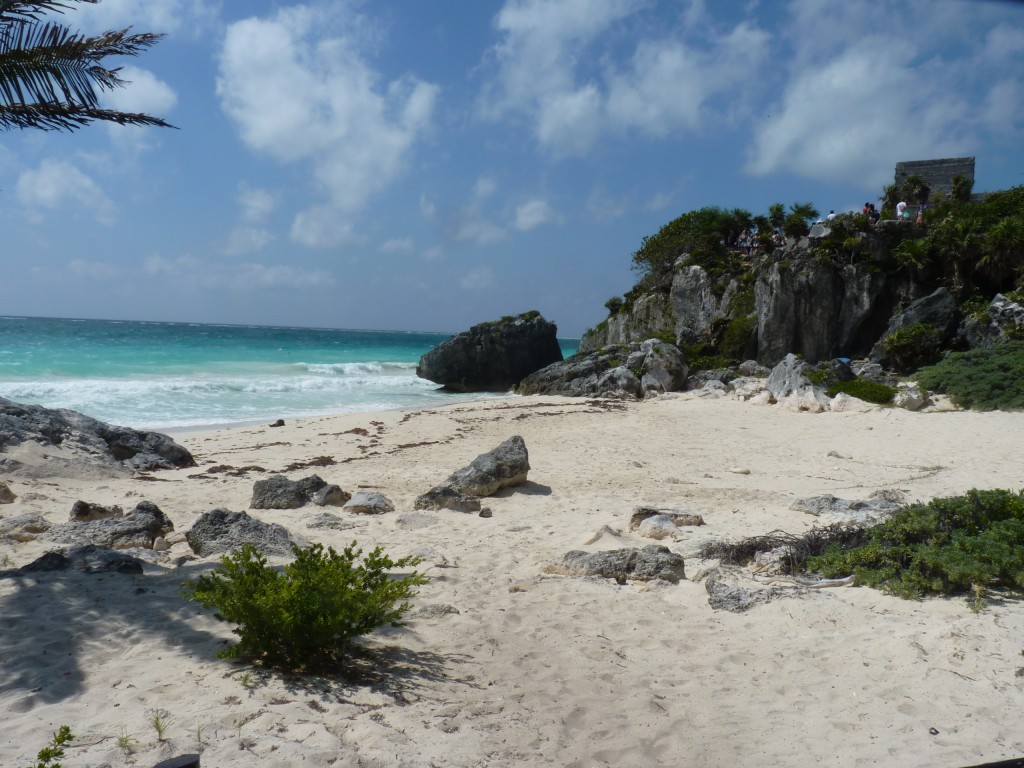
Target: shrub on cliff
306, 615
967, 543
981, 379
912, 346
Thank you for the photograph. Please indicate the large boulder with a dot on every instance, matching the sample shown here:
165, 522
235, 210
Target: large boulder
1002, 320
89, 558
938, 310
221, 531
278, 492
620, 370
492, 357
82, 440
506, 465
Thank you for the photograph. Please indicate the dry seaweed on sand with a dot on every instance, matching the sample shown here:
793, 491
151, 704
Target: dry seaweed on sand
795, 550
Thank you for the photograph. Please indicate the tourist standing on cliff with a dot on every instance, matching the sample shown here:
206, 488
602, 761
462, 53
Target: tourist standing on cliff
901, 206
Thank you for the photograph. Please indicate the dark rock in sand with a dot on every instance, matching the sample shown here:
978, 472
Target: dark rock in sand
83, 512
139, 528
27, 527
86, 440
6, 494
506, 465
492, 357
221, 530
88, 559
369, 503
278, 492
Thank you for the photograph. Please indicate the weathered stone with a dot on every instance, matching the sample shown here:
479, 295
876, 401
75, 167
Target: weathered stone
506, 465
83, 511
938, 309
6, 494
651, 562
138, 528
492, 356
88, 559
221, 530
696, 303
330, 495
675, 516
446, 497
753, 368
788, 377
726, 596
84, 439
369, 503
911, 398
657, 527
650, 316
325, 520
278, 492
878, 507
27, 527
411, 521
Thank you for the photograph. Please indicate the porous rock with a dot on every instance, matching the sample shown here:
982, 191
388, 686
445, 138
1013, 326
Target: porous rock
6, 494
84, 439
725, 594
494, 356
369, 503
506, 465
83, 511
788, 377
89, 558
27, 527
221, 530
138, 528
278, 492
876, 508
646, 564
677, 517
446, 497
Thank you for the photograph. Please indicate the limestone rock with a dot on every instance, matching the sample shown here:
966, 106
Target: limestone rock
278, 492
325, 520
879, 506
506, 465
651, 562
788, 377
138, 528
938, 309
446, 497
369, 503
412, 521
221, 530
120, 450
83, 511
6, 494
88, 559
27, 527
725, 593
675, 516
492, 356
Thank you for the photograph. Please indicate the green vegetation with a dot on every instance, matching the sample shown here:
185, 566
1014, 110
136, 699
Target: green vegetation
868, 391
48, 755
982, 379
305, 616
912, 346
968, 543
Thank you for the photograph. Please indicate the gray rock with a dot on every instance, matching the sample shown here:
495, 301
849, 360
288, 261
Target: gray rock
647, 564
725, 596
753, 368
1001, 320
369, 503
506, 465
83, 512
138, 528
88, 559
677, 517
119, 449
278, 492
27, 527
938, 309
657, 527
879, 506
434, 611
788, 377
492, 356
325, 520
6, 494
911, 398
221, 530
330, 495
446, 497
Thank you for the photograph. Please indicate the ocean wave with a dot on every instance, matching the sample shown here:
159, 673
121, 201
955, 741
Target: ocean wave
358, 369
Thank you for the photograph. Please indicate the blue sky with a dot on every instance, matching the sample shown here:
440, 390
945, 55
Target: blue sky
411, 165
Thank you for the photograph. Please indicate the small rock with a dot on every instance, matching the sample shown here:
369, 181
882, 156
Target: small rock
27, 527
446, 497
278, 423
486, 512
739, 471
83, 511
369, 503
651, 562
6, 494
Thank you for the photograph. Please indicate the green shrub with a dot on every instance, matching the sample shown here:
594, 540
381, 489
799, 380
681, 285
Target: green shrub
613, 305
959, 544
912, 346
982, 379
55, 749
306, 615
868, 391
736, 337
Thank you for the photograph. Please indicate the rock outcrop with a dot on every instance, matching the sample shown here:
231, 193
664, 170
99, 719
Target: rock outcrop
623, 371
492, 357
81, 440
278, 492
139, 528
369, 503
651, 563
221, 530
87, 559
488, 473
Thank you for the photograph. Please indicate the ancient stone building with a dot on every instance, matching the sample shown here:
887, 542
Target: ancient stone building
938, 173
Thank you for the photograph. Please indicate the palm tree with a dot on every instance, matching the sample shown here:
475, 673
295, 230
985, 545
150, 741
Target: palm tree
1003, 247
917, 188
51, 77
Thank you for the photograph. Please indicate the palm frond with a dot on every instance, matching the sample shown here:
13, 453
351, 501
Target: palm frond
68, 116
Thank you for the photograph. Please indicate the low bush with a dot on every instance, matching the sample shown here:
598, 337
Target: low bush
869, 391
968, 543
912, 346
982, 379
52, 752
306, 615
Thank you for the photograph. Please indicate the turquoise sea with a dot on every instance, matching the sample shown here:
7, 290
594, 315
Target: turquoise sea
173, 375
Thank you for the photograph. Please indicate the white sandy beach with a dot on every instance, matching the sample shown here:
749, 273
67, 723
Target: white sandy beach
536, 669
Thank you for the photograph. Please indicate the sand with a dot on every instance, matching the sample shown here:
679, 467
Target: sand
502, 664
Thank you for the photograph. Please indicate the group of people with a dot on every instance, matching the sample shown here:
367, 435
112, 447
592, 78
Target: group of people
871, 212
903, 212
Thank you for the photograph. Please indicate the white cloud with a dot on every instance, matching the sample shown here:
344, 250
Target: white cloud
485, 187
143, 92
159, 16
434, 253
240, 278
557, 66
472, 227
301, 91
57, 184
245, 239
256, 204
532, 214
397, 245
478, 279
